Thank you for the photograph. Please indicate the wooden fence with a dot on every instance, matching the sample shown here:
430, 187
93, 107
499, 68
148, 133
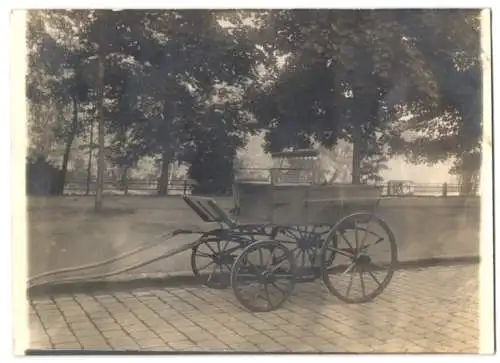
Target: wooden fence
405, 188
182, 187
133, 187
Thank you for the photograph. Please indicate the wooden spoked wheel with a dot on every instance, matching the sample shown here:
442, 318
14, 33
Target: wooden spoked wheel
212, 260
359, 257
263, 276
305, 243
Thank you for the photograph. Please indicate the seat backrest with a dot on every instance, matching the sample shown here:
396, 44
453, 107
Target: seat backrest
208, 210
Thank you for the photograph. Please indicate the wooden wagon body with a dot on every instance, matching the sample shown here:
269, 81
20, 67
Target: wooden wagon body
293, 193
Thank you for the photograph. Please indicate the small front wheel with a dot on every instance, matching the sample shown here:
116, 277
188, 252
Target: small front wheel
212, 259
263, 276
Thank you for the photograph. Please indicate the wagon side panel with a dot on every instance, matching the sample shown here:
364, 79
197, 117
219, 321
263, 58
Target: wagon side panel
326, 204
288, 204
254, 202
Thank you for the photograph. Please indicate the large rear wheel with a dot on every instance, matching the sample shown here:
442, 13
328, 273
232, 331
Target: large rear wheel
359, 257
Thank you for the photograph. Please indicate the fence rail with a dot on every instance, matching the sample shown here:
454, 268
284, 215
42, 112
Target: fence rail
182, 187
145, 187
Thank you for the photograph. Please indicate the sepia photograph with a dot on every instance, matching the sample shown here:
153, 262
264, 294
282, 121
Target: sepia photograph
256, 181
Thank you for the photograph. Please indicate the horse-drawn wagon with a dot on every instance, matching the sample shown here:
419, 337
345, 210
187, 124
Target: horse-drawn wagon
289, 226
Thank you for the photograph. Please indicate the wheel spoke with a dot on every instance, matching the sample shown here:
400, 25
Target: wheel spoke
349, 286
261, 258
271, 255
225, 245
374, 278
211, 249
278, 266
366, 230
285, 231
280, 259
303, 231
204, 267
203, 254
346, 241
356, 235
311, 256
252, 266
340, 252
349, 268
362, 283
266, 293
214, 270
257, 294
295, 233
283, 292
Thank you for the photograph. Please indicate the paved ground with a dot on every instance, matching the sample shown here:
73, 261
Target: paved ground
426, 310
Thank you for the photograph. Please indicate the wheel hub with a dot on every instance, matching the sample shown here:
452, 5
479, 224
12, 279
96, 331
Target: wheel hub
267, 277
363, 260
308, 242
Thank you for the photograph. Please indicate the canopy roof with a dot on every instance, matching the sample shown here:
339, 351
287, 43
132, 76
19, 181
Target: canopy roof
295, 154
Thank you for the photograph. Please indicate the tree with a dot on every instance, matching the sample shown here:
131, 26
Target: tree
162, 79
341, 82
356, 75
450, 43
187, 59
215, 139
57, 78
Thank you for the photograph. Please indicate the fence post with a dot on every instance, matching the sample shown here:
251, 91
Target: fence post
185, 186
445, 189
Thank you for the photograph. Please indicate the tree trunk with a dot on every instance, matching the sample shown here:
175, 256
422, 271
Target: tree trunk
64, 166
468, 183
167, 154
100, 120
163, 181
67, 149
124, 179
356, 156
468, 172
89, 165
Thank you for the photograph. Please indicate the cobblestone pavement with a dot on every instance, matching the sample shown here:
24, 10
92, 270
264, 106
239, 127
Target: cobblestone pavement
427, 310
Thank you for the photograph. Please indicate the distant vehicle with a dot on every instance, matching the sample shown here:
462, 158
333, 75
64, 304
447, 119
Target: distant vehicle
400, 187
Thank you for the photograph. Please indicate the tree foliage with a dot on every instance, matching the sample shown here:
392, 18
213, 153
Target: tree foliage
352, 75
186, 85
